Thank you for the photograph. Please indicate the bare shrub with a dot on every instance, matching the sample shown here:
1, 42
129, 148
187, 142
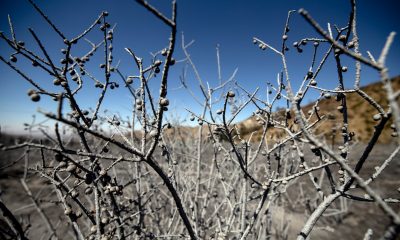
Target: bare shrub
144, 179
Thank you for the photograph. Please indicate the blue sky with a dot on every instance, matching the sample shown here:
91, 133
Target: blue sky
231, 24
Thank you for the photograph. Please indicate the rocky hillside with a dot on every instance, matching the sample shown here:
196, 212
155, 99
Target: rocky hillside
360, 117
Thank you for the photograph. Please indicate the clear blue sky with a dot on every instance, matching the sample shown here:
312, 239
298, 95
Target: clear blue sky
231, 24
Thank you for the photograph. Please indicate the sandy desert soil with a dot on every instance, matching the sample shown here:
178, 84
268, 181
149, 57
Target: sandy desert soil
351, 225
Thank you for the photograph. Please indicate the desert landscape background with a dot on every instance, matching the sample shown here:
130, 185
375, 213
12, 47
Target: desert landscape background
287, 216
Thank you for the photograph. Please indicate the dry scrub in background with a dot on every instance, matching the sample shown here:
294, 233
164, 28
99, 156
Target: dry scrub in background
150, 178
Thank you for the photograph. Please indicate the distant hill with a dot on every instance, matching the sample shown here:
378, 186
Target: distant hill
360, 117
